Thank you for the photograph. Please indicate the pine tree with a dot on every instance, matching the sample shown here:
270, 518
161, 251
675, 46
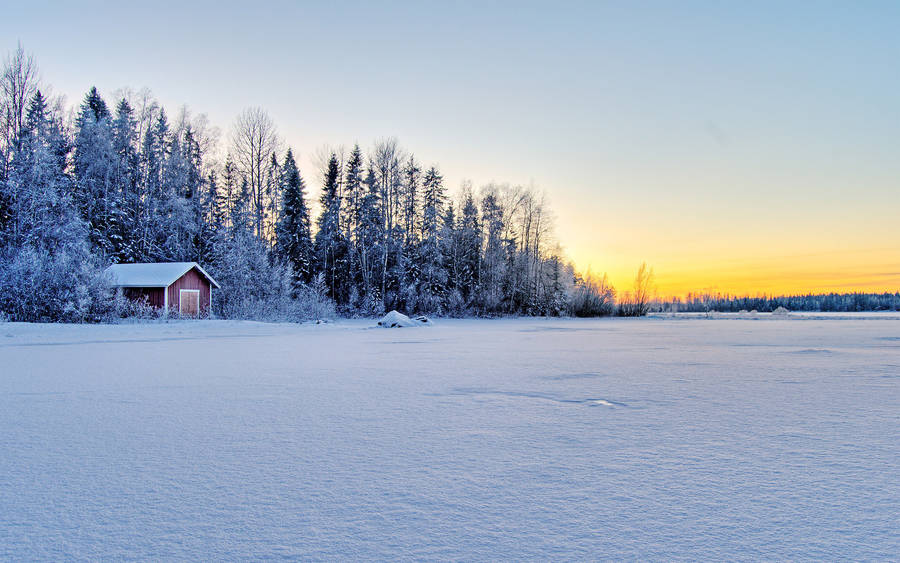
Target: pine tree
154, 153
432, 277
216, 205
176, 225
95, 164
351, 209
294, 242
353, 192
94, 102
43, 214
330, 248
47, 244
470, 243
495, 255
229, 191
451, 263
272, 200
411, 177
212, 221
126, 179
370, 245
240, 215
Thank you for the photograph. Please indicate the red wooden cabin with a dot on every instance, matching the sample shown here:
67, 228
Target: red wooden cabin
177, 287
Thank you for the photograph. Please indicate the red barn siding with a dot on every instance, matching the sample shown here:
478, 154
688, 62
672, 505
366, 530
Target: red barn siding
192, 279
154, 296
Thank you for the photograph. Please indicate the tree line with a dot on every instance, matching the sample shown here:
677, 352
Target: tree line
123, 182
829, 302
126, 182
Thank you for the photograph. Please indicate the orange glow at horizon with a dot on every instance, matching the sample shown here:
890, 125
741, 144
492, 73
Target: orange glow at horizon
772, 236
867, 271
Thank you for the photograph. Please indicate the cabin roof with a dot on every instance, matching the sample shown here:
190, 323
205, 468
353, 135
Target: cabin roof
153, 274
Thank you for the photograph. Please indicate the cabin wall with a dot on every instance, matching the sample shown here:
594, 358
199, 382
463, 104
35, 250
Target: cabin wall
190, 280
154, 296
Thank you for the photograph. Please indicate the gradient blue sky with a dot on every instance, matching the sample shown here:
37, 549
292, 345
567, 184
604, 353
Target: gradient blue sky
738, 146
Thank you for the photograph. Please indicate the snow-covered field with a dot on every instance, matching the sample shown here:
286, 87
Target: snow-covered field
658, 438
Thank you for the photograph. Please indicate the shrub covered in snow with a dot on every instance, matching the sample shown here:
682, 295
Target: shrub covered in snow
67, 285
134, 309
253, 287
592, 296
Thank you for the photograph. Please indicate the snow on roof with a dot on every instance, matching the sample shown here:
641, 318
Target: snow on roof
157, 274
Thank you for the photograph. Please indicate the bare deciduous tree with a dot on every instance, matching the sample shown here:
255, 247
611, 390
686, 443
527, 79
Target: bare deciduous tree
636, 302
253, 141
18, 83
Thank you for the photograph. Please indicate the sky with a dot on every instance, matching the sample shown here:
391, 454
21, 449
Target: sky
740, 147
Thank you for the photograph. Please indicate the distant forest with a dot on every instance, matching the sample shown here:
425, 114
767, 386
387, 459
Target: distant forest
829, 302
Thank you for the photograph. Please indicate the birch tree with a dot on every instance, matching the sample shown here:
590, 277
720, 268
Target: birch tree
254, 139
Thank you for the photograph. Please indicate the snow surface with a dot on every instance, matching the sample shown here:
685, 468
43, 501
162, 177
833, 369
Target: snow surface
659, 438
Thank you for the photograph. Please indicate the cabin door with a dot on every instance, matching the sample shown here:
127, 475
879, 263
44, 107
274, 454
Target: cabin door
189, 302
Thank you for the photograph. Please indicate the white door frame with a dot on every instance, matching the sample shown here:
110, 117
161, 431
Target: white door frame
181, 292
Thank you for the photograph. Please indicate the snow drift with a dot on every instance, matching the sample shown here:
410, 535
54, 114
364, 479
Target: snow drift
395, 319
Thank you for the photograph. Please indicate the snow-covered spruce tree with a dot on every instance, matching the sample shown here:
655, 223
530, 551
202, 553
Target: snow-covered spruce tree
178, 213
494, 263
451, 263
432, 281
38, 185
194, 196
412, 173
370, 246
469, 247
97, 197
47, 272
294, 241
560, 284
228, 192
330, 245
353, 192
154, 154
272, 199
126, 178
211, 219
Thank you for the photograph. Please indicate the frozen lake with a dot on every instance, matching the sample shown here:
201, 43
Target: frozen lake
542, 439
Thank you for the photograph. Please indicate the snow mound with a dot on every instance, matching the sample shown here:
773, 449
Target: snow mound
422, 319
399, 320
781, 312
